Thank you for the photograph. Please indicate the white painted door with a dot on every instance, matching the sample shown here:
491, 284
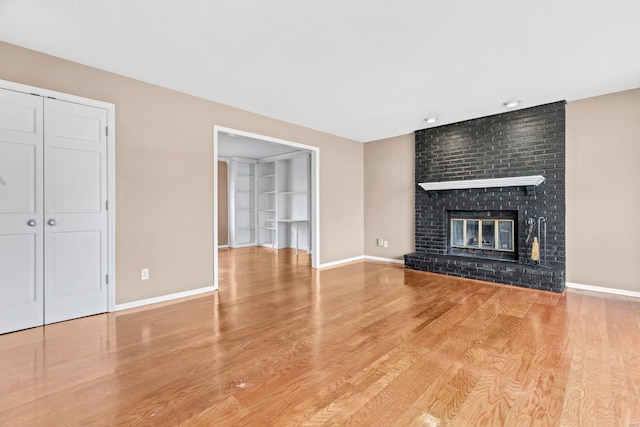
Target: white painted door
53, 216
75, 219
21, 211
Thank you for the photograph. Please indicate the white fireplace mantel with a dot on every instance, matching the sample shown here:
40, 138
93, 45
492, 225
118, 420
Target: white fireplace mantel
514, 181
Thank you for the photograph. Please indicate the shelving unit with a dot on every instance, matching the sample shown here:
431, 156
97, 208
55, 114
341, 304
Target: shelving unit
242, 203
293, 202
270, 205
267, 202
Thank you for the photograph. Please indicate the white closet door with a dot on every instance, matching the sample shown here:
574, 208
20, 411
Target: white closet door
21, 211
75, 176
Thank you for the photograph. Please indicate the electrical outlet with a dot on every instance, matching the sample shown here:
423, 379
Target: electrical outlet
380, 242
144, 274
385, 243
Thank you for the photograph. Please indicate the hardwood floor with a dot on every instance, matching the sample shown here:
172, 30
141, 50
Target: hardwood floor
366, 343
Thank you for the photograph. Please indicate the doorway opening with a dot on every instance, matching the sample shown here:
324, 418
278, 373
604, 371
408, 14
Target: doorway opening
273, 195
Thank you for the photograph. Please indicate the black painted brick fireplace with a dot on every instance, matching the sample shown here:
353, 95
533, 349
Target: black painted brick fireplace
525, 142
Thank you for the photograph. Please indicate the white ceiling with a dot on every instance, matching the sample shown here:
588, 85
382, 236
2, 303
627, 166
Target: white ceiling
230, 145
362, 69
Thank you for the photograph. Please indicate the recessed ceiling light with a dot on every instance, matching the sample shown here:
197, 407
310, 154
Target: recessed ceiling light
431, 120
512, 103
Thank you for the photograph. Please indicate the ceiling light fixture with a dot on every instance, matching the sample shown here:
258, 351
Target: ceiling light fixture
431, 120
512, 103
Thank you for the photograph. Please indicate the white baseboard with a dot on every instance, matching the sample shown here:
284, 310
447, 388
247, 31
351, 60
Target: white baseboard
163, 298
359, 258
269, 246
223, 246
341, 261
614, 291
377, 258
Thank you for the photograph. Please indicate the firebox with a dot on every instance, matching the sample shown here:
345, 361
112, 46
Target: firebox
483, 234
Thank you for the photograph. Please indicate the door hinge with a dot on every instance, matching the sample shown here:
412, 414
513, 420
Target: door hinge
107, 279
106, 205
106, 130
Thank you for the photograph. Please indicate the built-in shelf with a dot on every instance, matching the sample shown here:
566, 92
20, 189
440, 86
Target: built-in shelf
515, 181
242, 203
272, 196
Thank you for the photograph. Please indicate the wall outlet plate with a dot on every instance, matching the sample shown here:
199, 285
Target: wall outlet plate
144, 274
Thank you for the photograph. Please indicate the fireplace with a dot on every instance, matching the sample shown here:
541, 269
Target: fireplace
483, 234
486, 189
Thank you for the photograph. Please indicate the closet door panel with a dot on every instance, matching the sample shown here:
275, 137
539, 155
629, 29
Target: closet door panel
18, 178
75, 181
21, 211
75, 210
19, 271
76, 268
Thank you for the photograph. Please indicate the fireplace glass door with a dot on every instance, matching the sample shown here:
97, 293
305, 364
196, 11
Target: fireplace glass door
483, 234
504, 235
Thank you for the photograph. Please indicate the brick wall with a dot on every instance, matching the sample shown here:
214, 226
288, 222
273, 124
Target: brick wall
523, 142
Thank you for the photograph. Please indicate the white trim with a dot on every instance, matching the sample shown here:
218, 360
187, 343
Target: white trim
214, 183
111, 170
341, 261
163, 298
315, 208
111, 213
33, 90
514, 181
291, 155
315, 186
377, 258
241, 159
244, 245
223, 246
270, 246
624, 292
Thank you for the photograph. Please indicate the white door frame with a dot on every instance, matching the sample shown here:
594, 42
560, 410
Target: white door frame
111, 170
315, 192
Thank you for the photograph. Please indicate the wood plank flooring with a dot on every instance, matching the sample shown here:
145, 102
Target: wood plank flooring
366, 344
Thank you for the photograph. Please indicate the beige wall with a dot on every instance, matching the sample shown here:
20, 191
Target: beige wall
223, 204
389, 196
603, 192
346, 190
164, 173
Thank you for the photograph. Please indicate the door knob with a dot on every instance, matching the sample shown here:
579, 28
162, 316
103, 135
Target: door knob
32, 223
52, 222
